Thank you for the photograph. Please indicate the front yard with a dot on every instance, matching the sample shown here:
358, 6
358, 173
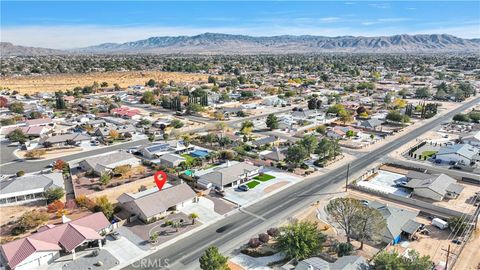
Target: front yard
264, 177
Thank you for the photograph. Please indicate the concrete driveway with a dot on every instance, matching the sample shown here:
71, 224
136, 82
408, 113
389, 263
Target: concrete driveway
281, 180
204, 208
123, 250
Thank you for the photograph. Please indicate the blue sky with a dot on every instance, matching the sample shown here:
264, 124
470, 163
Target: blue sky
68, 24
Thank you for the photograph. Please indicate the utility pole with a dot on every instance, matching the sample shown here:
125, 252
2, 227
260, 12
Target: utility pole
448, 255
346, 180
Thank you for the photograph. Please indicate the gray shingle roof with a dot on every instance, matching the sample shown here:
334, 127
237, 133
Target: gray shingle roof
106, 160
437, 183
230, 174
395, 217
158, 202
31, 182
76, 137
464, 150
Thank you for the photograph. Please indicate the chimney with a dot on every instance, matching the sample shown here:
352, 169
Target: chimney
228, 163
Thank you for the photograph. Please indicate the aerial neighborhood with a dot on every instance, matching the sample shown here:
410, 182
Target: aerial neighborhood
221, 151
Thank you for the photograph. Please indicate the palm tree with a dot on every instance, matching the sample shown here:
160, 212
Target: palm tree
193, 216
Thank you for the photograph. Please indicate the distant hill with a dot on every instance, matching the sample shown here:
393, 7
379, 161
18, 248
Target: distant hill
212, 43
8, 49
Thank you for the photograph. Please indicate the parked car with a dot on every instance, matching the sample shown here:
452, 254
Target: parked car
220, 191
243, 188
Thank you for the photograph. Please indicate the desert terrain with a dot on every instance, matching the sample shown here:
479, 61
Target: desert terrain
52, 83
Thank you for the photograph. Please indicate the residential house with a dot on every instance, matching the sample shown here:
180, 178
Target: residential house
47, 245
460, 153
371, 124
29, 188
108, 162
270, 140
472, 139
39, 122
126, 113
151, 204
343, 263
104, 132
231, 174
159, 149
57, 140
171, 160
398, 221
275, 155
435, 187
34, 131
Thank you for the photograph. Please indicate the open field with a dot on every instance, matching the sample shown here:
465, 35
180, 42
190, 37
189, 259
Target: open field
52, 83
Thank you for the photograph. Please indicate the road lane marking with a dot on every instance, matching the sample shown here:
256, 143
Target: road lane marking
252, 214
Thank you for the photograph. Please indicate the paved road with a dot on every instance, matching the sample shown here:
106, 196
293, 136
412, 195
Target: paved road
34, 166
228, 233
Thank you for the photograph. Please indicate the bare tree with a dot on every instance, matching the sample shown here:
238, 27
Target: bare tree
344, 211
369, 225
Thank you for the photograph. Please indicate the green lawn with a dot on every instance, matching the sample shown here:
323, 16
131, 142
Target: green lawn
188, 158
252, 184
428, 153
264, 177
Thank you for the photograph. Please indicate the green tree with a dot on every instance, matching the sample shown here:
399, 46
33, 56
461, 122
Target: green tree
457, 224
296, 154
393, 261
213, 260
151, 83
461, 117
247, 127
345, 116
272, 121
17, 135
300, 240
422, 92
54, 194
310, 143
16, 107
148, 97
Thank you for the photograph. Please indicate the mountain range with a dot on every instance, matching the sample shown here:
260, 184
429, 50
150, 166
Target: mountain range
213, 43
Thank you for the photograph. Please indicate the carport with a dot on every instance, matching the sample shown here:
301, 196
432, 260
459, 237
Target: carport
410, 228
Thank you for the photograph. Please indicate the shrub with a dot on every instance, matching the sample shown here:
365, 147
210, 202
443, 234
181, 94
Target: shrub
32, 219
18, 230
53, 194
263, 237
273, 232
20, 173
254, 243
55, 206
83, 201
344, 249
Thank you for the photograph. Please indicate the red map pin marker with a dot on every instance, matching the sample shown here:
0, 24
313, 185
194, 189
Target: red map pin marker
160, 178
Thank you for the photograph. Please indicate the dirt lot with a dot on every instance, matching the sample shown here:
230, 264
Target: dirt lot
52, 83
470, 256
434, 245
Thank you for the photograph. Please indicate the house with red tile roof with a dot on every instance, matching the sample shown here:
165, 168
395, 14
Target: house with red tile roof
44, 246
